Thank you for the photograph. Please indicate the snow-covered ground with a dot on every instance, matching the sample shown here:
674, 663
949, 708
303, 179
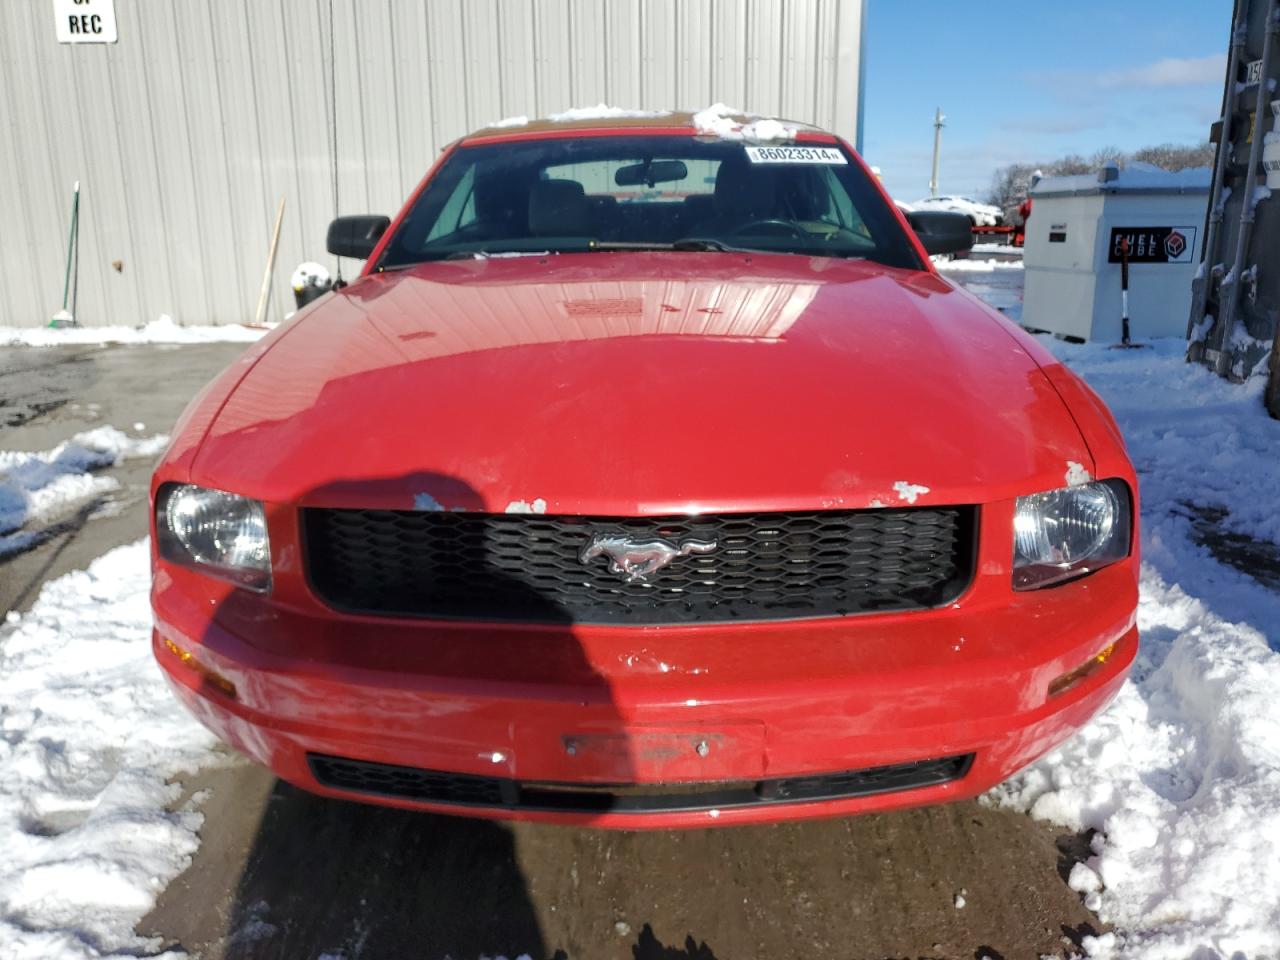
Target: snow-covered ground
163, 330
997, 281
1181, 774
979, 266
37, 490
89, 736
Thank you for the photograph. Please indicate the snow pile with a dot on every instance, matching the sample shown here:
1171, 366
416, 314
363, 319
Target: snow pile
721, 121
1181, 774
89, 734
163, 330
604, 112
37, 489
1002, 248
969, 265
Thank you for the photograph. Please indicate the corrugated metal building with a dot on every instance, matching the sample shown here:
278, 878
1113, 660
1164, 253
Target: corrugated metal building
187, 132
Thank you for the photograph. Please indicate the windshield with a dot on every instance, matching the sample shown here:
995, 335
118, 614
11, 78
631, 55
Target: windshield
649, 192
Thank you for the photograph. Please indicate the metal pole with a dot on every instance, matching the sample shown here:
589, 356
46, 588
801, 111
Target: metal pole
75, 276
1271, 397
71, 239
1209, 271
1124, 291
1229, 297
938, 124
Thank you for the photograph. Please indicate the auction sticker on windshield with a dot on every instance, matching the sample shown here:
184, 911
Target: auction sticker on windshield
795, 155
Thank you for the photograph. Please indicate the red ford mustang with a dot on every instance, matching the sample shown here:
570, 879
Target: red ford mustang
647, 476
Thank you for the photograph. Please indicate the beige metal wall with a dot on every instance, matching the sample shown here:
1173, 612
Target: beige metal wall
187, 132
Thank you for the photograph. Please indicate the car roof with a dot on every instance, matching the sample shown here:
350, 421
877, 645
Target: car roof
638, 122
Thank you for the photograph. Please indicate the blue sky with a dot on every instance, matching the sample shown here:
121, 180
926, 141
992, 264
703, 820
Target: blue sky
1030, 81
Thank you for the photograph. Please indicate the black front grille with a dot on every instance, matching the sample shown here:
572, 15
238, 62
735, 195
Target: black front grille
765, 566
432, 786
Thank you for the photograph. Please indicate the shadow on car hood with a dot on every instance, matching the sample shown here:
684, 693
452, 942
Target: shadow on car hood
644, 383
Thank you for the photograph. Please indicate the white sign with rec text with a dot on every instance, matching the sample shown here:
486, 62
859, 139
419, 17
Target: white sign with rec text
85, 21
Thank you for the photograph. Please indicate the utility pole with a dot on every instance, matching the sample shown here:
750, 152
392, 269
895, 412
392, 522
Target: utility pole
938, 124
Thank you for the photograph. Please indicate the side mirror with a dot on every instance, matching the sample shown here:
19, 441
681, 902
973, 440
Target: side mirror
355, 237
941, 231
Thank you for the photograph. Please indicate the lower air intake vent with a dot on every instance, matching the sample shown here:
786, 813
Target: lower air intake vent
431, 786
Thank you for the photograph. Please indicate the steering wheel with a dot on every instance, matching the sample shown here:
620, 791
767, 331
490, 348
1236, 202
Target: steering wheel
786, 225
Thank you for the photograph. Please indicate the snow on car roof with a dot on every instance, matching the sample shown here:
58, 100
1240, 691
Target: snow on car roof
717, 120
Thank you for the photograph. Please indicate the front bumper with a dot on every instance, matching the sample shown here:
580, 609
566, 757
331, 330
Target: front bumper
723, 705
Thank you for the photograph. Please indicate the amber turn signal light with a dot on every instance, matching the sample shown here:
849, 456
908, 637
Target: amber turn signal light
1068, 680
190, 662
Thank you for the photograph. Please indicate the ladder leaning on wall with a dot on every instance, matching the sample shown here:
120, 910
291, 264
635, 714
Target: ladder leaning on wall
1235, 298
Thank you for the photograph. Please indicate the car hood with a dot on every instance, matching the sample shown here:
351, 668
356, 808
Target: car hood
643, 383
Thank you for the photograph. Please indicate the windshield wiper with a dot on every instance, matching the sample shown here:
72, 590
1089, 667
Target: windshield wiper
688, 244
703, 243
490, 254
700, 243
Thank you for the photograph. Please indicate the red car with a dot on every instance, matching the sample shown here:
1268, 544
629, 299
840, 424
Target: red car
648, 476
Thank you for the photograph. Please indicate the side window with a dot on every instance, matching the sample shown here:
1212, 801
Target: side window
846, 215
459, 210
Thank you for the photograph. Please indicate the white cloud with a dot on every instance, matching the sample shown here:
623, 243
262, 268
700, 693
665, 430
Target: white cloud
1053, 124
1169, 72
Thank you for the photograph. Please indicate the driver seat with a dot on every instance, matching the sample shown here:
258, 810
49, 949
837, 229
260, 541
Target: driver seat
744, 193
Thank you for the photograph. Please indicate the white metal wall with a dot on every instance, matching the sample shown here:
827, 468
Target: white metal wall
187, 132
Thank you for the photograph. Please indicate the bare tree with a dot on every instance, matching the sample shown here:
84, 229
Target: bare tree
1070, 165
1104, 155
1009, 186
1172, 156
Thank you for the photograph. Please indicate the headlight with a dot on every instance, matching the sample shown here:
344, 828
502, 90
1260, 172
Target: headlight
1067, 533
222, 534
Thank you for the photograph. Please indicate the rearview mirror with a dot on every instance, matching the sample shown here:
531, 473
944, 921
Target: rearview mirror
941, 231
355, 237
650, 173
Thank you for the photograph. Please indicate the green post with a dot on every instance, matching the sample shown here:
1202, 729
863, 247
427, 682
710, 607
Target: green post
63, 317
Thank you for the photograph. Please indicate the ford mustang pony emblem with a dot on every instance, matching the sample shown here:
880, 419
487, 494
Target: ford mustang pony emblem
636, 560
